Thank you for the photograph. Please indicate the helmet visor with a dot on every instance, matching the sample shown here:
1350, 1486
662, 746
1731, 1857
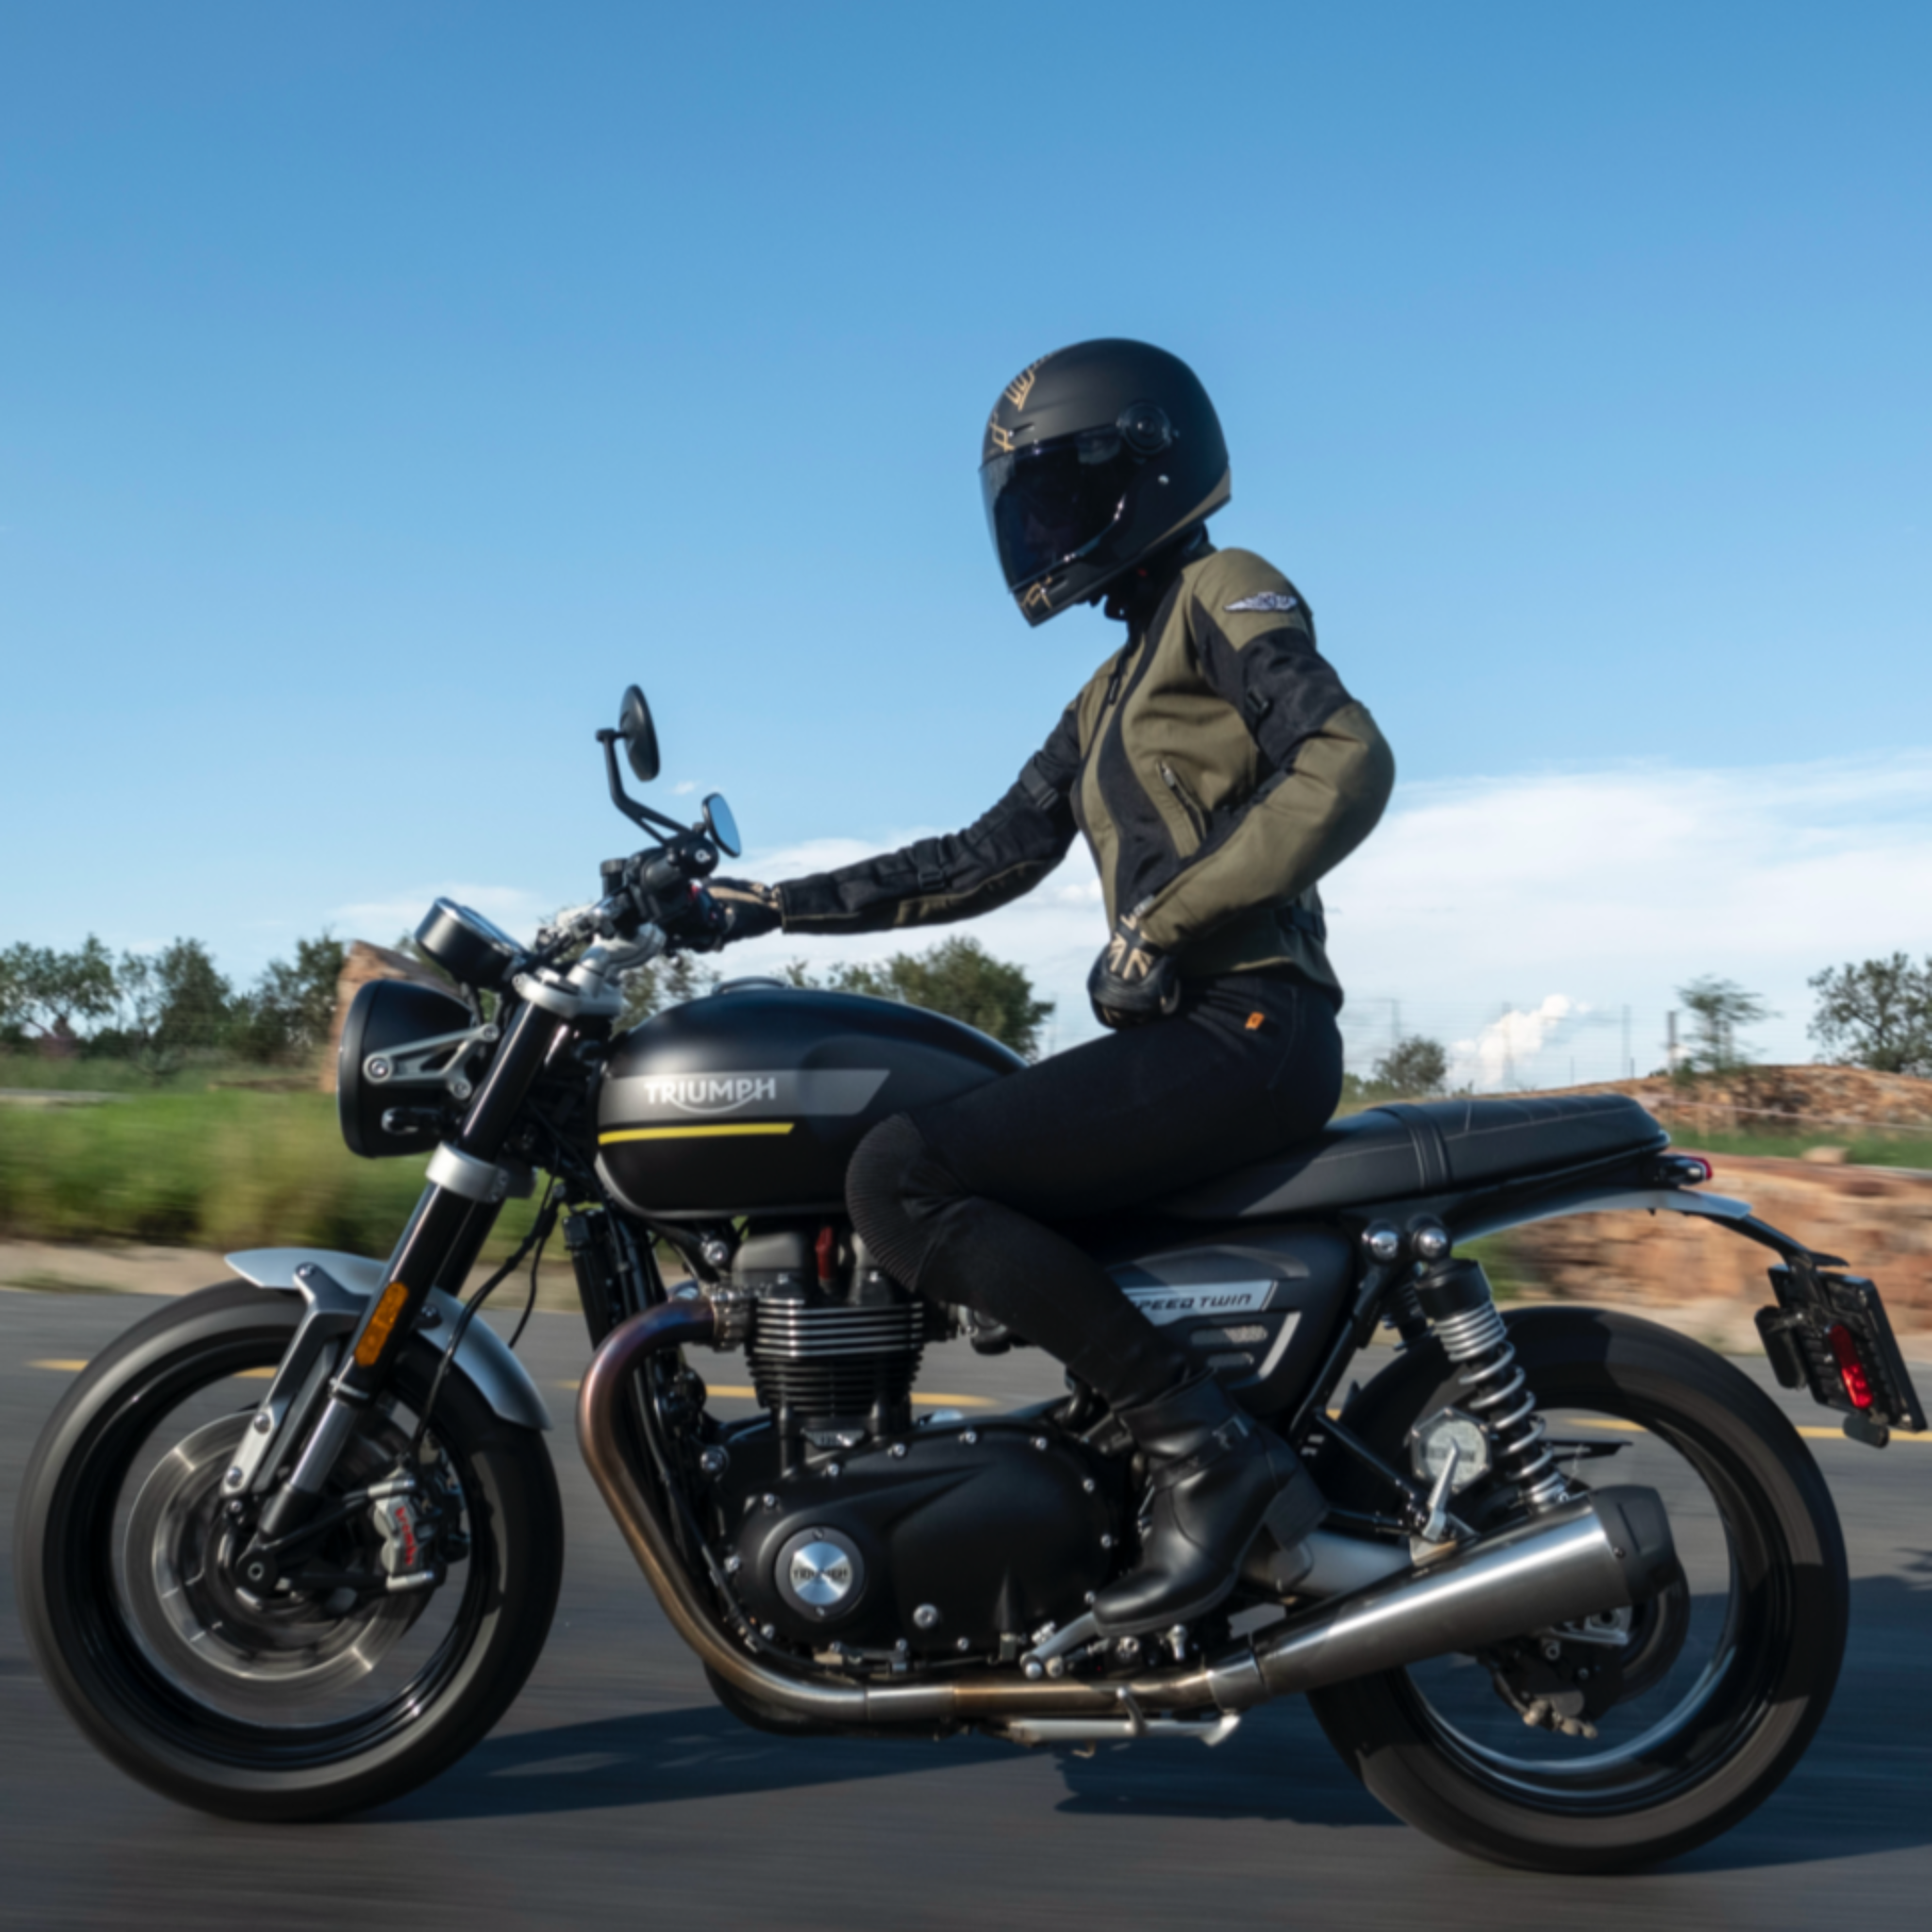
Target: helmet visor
1053, 503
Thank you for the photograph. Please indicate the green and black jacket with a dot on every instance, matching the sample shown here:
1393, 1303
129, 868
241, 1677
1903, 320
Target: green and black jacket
1216, 766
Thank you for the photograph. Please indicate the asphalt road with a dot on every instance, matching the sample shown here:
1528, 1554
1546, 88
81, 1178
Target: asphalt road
616, 1792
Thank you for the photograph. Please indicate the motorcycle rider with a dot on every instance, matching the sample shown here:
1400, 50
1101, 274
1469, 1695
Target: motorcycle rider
1218, 769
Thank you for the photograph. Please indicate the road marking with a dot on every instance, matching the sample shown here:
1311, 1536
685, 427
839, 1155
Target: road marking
732, 1391
62, 1366
1810, 1431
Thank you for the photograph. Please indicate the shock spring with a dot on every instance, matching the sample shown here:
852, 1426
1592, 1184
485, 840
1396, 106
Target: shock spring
1500, 1397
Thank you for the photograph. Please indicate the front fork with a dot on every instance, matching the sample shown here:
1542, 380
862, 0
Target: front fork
468, 1186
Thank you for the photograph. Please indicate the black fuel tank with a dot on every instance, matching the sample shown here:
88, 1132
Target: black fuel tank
751, 1100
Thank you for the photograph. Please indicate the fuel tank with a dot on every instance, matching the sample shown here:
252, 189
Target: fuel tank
750, 1100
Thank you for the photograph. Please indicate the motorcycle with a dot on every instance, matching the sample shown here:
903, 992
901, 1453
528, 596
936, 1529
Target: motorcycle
1580, 1604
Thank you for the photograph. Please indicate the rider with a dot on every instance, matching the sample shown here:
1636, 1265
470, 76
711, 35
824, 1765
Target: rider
1218, 769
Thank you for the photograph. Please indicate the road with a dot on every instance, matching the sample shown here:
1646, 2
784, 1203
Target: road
617, 1793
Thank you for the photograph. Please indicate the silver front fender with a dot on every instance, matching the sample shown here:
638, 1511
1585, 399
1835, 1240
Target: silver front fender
484, 1360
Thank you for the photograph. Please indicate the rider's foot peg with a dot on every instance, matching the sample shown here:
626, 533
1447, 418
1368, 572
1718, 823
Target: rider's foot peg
1218, 1478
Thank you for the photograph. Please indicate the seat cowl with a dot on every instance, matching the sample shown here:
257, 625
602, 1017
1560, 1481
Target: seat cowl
1390, 1153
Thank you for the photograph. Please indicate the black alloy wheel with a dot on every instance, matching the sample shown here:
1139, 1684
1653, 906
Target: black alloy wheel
1701, 1702
284, 1703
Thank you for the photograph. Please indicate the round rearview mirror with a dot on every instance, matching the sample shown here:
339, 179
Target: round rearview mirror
639, 736
722, 827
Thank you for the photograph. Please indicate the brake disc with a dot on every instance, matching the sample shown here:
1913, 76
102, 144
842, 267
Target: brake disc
202, 1630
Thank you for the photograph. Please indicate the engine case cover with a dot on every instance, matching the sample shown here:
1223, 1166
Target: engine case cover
974, 1523
751, 1100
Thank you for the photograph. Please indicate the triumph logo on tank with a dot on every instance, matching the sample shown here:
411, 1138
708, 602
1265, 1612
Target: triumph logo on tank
761, 1091
711, 1092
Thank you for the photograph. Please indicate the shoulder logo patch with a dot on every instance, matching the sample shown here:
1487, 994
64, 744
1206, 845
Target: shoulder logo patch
1267, 600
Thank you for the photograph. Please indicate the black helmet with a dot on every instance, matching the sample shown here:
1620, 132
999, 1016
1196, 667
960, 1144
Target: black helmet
1096, 457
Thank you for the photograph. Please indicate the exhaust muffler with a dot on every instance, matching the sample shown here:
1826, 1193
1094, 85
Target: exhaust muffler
1602, 1551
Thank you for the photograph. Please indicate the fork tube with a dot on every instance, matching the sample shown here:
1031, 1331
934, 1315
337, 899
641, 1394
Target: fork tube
444, 1223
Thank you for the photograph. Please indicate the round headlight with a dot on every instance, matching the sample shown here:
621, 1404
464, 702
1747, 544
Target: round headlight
387, 1015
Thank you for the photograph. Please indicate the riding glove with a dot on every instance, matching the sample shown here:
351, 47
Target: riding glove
752, 908
1133, 982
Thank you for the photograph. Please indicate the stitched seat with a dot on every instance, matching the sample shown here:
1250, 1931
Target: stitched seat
1390, 1153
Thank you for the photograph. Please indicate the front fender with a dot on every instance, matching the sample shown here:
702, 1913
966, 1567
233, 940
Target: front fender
484, 1359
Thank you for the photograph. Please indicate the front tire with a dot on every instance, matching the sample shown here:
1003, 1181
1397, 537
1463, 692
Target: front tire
1733, 1671
288, 1709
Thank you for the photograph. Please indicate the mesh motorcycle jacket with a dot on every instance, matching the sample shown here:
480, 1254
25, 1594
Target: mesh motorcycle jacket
1216, 766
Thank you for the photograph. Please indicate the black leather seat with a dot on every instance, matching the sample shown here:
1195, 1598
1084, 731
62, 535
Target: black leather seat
1390, 1153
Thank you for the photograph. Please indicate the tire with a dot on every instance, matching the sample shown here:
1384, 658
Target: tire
282, 1710
1698, 1745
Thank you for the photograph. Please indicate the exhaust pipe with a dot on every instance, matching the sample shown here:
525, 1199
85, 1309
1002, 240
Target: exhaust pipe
1601, 1552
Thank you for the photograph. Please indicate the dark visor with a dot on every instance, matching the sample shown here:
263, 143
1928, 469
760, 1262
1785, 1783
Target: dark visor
1051, 504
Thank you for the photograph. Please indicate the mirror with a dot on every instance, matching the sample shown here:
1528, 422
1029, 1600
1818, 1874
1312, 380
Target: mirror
639, 736
722, 827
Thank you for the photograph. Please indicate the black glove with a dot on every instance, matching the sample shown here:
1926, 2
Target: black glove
752, 908
1133, 982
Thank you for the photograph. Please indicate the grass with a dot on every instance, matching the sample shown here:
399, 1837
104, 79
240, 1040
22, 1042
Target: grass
1868, 1147
221, 1169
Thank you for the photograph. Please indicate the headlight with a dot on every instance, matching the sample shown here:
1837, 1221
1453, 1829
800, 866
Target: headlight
400, 1044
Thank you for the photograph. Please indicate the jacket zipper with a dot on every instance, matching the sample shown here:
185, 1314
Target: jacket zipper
1184, 798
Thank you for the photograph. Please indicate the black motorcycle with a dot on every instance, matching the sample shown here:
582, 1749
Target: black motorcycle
1579, 1605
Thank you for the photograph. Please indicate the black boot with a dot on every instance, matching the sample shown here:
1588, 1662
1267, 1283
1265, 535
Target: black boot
1218, 1477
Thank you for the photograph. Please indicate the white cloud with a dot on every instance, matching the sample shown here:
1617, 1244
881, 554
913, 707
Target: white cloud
1475, 900
518, 912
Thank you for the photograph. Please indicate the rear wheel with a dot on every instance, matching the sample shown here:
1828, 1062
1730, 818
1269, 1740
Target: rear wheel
286, 1702
1701, 1702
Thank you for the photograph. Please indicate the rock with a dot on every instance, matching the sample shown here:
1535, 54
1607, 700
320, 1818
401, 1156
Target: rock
1875, 1217
1825, 1156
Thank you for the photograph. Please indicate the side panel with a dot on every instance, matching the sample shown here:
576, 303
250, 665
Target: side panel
484, 1359
1259, 1311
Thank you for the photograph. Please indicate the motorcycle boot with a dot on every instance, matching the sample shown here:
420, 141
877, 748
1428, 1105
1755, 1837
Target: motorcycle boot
1218, 1477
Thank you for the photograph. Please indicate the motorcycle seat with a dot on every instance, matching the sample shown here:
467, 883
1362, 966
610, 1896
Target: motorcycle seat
1391, 1153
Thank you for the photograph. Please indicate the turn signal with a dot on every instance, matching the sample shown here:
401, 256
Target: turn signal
375, 1336
1851, 1371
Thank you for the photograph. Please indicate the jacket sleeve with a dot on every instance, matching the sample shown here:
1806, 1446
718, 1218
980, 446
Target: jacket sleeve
1001, 855
1327, 770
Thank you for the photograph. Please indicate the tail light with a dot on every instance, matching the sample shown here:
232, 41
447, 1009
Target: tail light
1851, 1368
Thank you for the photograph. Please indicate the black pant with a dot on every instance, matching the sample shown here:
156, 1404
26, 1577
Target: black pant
951, 1199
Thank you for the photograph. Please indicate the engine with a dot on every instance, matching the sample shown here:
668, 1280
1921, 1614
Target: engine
845, 1526
834, 1345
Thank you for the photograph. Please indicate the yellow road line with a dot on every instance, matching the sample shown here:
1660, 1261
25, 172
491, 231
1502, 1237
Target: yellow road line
1810, 1431
731, 1391
694, 1133
60, 1367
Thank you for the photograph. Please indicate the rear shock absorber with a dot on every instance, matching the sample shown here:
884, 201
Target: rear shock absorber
1461, 1308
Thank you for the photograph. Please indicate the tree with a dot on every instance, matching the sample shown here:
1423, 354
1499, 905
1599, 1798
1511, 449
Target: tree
1718, 1008
1878, 1014
290, 1011
958, 977
1414, 1065
48, 990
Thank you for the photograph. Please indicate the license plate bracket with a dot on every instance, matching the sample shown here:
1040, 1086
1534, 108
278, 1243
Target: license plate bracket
1797, 1334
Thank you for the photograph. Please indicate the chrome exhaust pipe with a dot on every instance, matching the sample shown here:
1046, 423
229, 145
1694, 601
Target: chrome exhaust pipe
1602, 1552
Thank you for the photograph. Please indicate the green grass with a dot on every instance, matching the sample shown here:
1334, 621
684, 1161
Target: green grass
1865, 1147
224, 1168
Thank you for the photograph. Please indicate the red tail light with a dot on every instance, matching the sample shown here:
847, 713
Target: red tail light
1851, 1371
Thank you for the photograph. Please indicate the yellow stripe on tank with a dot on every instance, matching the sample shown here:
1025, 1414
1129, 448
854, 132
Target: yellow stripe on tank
694, 1133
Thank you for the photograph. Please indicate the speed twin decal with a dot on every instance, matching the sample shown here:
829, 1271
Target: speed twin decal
645, 1097
1162, 1303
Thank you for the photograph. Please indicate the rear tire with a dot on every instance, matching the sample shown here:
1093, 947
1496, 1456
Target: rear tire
235, 1737
1720, 1753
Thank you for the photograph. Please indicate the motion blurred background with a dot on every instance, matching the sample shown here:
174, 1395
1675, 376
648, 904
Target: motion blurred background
383, 387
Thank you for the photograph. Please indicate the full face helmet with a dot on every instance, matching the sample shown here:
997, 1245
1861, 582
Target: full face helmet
1096, 457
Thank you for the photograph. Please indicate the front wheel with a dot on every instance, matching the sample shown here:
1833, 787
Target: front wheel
286, 1703
1679, 1717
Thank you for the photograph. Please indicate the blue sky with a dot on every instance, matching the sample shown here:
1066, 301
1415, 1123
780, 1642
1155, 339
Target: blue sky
383, 387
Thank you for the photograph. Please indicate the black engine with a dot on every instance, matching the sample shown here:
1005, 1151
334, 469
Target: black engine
843, 1525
